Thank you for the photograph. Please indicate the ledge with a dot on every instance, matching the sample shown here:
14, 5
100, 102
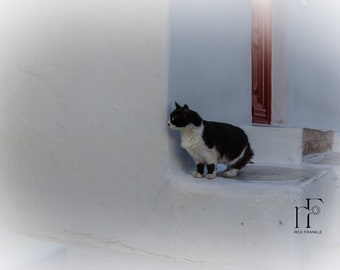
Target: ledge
287, 146
247, 214
227, 223
253, 177
275, 145
329, 158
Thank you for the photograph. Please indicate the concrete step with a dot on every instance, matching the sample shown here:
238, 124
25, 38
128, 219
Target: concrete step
317, 141
332, 160
250, 221
274, 145
329, 158
245, 223
336, 145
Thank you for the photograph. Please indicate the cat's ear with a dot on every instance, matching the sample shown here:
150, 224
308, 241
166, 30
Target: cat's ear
186, 107
178, 107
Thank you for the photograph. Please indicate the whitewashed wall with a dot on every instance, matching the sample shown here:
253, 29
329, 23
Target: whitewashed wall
210, 58
210, 63
83, 108
313, 64
84, 145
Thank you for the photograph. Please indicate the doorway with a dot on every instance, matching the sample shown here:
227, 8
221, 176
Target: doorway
261, 50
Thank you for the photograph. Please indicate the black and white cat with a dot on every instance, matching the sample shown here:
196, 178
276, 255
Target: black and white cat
210, 143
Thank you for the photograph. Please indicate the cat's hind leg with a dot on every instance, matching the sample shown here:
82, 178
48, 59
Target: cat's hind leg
199, 170
231, 172
239, 162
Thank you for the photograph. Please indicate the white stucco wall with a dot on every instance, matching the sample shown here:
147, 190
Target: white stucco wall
278, 63
210, 58
210, 61
313, 64
83, 98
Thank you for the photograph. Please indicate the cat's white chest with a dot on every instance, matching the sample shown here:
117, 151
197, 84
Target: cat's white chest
193, 142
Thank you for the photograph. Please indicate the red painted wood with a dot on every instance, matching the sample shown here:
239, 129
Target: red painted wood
261, 61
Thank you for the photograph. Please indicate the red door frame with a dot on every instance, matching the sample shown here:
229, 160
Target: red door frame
261, 39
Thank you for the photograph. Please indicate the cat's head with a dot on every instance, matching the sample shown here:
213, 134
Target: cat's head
182, 117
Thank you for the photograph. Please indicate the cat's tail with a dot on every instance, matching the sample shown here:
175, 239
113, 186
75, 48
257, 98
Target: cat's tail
246, 158
249, 153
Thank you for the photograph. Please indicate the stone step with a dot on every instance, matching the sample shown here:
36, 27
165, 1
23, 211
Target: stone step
317, 141
330, 159
336, 145
244, 223
273, 145
250, 221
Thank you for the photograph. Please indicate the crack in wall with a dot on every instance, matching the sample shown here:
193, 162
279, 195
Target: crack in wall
98, 240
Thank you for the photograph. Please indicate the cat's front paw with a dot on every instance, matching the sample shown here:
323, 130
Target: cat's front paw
210, 176
197, 175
